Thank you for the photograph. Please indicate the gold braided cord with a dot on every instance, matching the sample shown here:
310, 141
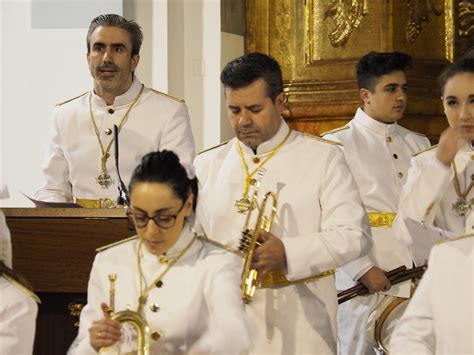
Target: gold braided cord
248, 175
105, 151
144, 291
457, 184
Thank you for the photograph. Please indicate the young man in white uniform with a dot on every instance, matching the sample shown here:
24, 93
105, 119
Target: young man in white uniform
80, 159
378, 151
320, 223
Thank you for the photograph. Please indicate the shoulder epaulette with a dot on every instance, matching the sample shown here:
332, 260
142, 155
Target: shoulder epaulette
335, 130
214, 147
167, 95
321, 139
464, 236
65, 102
425, 150
108, 246
21, 287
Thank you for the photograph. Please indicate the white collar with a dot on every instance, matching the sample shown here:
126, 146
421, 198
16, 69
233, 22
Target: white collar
378, 127
269, 145
121, 100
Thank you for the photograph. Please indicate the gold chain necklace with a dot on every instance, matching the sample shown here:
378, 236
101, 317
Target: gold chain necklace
144, 291
244, 204
462, 205
104, 179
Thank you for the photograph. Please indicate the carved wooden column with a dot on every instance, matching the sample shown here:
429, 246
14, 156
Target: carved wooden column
318, 42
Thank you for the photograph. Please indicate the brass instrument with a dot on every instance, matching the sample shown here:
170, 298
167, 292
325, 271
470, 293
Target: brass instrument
136, 319
249, 242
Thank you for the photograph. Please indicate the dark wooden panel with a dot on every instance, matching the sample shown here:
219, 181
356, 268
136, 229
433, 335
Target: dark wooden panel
54, 249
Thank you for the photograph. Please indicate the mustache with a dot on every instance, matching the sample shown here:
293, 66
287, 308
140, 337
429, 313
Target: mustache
108, 66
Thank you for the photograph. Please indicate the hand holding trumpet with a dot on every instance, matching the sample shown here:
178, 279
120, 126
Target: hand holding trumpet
270, 254
104, 332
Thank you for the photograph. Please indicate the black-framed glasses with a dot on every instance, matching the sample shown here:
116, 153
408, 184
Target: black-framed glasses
165, 221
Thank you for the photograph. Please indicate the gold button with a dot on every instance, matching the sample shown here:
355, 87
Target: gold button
155, 335
388, 139
395, 156
111, 110
252, 182
108, 131
154, 307
400, 175
472, 157
256, 160
163, 261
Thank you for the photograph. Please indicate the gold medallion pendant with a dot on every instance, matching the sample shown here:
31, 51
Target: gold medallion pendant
461, 207
243, 205
104, 180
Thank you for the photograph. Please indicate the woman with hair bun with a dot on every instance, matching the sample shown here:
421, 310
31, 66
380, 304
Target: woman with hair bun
187, 290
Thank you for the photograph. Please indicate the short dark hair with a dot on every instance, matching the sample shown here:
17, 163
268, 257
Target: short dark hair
463, 65
376, 64
113, 20
163, 167
243, 71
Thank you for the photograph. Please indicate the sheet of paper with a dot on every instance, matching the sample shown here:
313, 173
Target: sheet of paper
45, 204
424, 237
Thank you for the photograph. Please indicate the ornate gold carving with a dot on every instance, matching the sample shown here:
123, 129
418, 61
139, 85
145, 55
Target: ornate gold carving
466, 18
449, 30
346, 17
75, 309
283, 17
419, 15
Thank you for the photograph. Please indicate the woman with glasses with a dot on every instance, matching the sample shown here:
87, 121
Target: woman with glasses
187, 290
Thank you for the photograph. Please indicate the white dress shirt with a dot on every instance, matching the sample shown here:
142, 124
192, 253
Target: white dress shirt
73, 160
319, 219
439, 318
199, 304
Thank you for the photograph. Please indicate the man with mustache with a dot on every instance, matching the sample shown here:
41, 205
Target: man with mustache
80, 165
319, 224
378, 151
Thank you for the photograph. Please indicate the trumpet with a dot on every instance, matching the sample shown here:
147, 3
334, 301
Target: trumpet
248, 242
136, 319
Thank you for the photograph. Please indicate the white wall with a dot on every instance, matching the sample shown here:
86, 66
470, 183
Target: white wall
39, 68
181, 54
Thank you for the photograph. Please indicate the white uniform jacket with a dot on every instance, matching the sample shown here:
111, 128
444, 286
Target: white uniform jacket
440, 318
320, 221
429, 193
73, 160
17, 319
199, 305
379, 156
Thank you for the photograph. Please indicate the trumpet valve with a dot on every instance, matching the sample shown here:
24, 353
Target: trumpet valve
244, 241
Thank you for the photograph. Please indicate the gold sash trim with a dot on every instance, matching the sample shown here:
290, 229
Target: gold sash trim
96, 203
381, 219
277, 278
